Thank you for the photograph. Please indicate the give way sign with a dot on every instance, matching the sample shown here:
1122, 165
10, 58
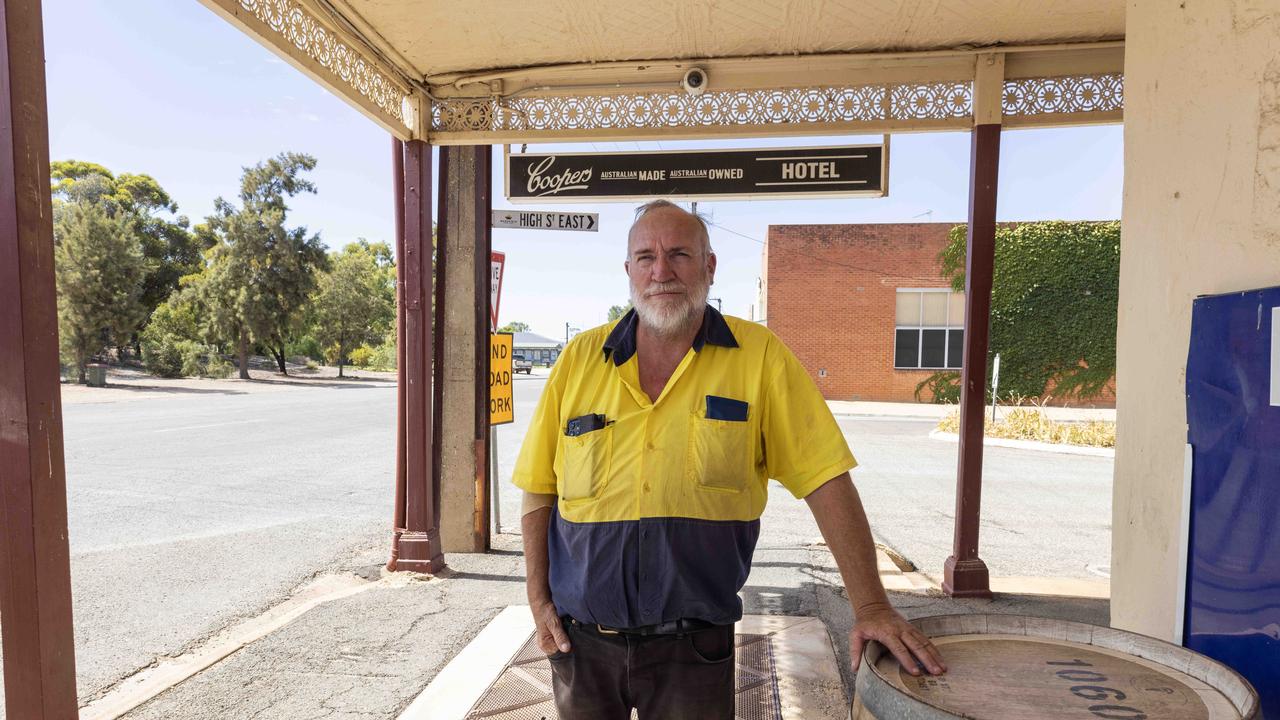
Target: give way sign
496, 262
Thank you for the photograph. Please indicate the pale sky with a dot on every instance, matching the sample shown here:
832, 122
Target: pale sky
167, 88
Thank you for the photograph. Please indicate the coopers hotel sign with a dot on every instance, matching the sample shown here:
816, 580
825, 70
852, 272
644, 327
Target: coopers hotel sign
850, 170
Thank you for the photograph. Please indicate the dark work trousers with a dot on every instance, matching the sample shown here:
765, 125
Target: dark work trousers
664, 677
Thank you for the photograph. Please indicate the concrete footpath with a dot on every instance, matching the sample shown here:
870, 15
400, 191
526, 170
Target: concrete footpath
358, 643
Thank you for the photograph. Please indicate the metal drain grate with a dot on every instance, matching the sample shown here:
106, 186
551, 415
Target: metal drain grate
523, 688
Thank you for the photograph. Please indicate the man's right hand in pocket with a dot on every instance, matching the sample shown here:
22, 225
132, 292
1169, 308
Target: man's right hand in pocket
551, 635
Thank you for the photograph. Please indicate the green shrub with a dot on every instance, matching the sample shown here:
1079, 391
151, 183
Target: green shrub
384, 357
161, 358
1054, 299
217, 367
169, 338
306, 346
1033, 424
331, 354
943, 388
361, 356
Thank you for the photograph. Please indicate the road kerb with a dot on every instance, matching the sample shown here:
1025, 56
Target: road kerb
1030, 445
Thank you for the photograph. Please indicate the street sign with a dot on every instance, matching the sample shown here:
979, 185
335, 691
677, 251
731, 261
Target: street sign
526, 220
501, 403
849, 170
497, 261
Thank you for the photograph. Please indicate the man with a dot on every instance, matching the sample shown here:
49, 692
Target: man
645, 472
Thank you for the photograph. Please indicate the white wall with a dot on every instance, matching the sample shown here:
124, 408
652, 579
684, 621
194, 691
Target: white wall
1201, 216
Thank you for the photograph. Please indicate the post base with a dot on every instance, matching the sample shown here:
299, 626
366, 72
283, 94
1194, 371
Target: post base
966, 578
416, 552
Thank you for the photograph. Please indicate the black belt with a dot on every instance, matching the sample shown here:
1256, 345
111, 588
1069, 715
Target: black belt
673, 627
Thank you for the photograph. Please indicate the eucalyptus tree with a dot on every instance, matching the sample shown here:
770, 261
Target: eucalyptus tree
260, 273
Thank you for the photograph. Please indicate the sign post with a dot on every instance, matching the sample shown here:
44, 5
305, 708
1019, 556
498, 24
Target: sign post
844, 171
501, 406
995, 386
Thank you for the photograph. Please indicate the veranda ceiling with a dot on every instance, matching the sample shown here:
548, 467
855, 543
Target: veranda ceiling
494, 34
507, 70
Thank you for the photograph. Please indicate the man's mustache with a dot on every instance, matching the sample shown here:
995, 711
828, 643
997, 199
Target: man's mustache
665, 288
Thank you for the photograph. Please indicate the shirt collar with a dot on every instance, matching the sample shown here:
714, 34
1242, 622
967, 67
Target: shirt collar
621, 343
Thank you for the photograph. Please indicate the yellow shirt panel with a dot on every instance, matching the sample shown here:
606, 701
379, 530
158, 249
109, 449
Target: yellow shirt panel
668, 459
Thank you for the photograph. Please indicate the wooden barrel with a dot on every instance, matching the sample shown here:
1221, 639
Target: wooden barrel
1012, 667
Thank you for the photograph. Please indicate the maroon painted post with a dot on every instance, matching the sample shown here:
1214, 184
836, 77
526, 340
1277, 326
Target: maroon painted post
35, 564
417, 542
484, 243
964, 573
441, 302
397, 178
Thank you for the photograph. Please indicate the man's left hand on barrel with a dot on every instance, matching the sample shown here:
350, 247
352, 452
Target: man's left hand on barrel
886, 626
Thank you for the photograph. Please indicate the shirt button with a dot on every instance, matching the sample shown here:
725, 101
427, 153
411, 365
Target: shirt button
646, 487
651, 446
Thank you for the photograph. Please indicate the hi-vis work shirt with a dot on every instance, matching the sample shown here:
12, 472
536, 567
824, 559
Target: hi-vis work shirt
660, 501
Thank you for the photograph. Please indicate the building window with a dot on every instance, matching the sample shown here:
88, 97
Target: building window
929, 331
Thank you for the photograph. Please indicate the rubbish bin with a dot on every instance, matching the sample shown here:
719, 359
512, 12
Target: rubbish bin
95, 375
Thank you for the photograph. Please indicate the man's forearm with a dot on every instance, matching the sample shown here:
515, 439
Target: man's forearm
843, 522
533, 526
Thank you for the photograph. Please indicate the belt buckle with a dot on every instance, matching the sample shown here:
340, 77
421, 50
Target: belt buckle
606, 631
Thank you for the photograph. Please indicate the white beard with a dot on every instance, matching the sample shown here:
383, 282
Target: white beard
669, 317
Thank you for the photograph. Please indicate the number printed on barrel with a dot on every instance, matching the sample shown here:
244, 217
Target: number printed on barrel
1091, 686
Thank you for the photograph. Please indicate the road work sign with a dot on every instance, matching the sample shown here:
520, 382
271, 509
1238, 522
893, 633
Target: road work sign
521, 220
501, 400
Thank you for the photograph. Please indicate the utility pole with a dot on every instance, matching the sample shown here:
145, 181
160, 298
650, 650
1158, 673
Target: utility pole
719, 303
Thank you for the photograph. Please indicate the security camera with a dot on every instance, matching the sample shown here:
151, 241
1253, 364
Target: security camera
694, 81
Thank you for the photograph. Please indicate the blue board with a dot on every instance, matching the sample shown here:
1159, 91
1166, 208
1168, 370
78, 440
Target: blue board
1233, 419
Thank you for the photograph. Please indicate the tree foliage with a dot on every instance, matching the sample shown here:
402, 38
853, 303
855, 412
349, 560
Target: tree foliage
99, 269
173, 342
1054, 299
169, 249
514, 327
617, 311
355, 300
260, 272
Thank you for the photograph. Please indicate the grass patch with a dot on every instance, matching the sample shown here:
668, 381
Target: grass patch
1032, 424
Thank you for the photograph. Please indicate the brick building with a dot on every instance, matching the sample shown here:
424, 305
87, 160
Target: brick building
865, 307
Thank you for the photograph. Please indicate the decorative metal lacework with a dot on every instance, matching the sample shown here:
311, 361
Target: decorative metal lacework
1066, 94
795, 106
293, 22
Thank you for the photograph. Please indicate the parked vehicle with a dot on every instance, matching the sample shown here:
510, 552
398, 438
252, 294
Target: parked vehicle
519, 364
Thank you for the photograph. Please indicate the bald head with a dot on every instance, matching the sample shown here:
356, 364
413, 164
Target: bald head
673, 219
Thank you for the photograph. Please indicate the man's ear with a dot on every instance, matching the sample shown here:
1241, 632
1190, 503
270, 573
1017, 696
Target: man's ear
626, 267
711, 268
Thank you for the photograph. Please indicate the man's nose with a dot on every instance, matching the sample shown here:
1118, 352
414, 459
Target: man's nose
660, 271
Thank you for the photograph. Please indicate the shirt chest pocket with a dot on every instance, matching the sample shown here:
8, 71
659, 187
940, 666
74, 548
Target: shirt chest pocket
720, 455
586, 460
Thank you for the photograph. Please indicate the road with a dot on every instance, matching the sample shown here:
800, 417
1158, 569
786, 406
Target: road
195, 509
190, 511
